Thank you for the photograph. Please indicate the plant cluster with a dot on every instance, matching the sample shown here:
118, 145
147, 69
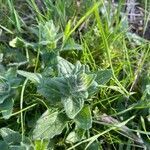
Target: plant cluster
72, 76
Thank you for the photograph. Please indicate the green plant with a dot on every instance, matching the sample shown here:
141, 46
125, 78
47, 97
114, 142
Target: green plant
72, 76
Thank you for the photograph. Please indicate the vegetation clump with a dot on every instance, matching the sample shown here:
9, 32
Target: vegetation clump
74, 75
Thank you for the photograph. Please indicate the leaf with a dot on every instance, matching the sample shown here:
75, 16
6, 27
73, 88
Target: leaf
116, 88
14, 140
3, 145
49, 34
121, 127
10, 136
8, 85
79, 68
17, 42
48, 31
80, 82
7, 107
148, 89
75, 136
4, 86
67, 29
34, 77
5, 90
41, 145
86, 80
11, 77
17, 148
53, 88
84, 118
135, 39
17, 19
93, 88
65, 68
49, 59
1, 57
49, 125
71, 45
72, 106
72, 137
103, 76
94, 146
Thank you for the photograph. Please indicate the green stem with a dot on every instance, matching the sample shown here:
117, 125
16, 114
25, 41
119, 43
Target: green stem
21, 107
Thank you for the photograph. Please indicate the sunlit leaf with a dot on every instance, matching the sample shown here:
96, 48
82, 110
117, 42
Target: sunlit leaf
75, 136
49, 125
65, 68
34, 77
72, 106
17, 42
84, 118
14, 140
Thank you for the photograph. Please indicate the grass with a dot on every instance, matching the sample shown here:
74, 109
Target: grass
72, 76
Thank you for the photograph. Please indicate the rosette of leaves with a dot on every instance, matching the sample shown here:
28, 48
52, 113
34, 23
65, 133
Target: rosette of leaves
71, 88
8, 85
46, 42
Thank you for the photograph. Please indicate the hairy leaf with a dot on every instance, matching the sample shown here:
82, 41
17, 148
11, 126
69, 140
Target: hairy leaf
80, 82
75, 136
8, 91
84, 118
65, 68
7, 107
14, 140
4, 145
72, 106
53, 88
34, 77
103, 76
49, 125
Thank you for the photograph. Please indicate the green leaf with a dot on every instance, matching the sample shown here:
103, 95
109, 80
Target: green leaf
84, 118
34, 77
71, 45
3, 145
8, 90
65, 68
49, 34
17, 148
72, 106
67, 29
10, 136
49, 125
41, 145
14, 140
1, 58
135, 39
17, 42
72, 137
48, 31
75, 136
53, 88
94, 146
80, 82
86, 81
79, 68
7, 107
93, 88
103, 76
5, 90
